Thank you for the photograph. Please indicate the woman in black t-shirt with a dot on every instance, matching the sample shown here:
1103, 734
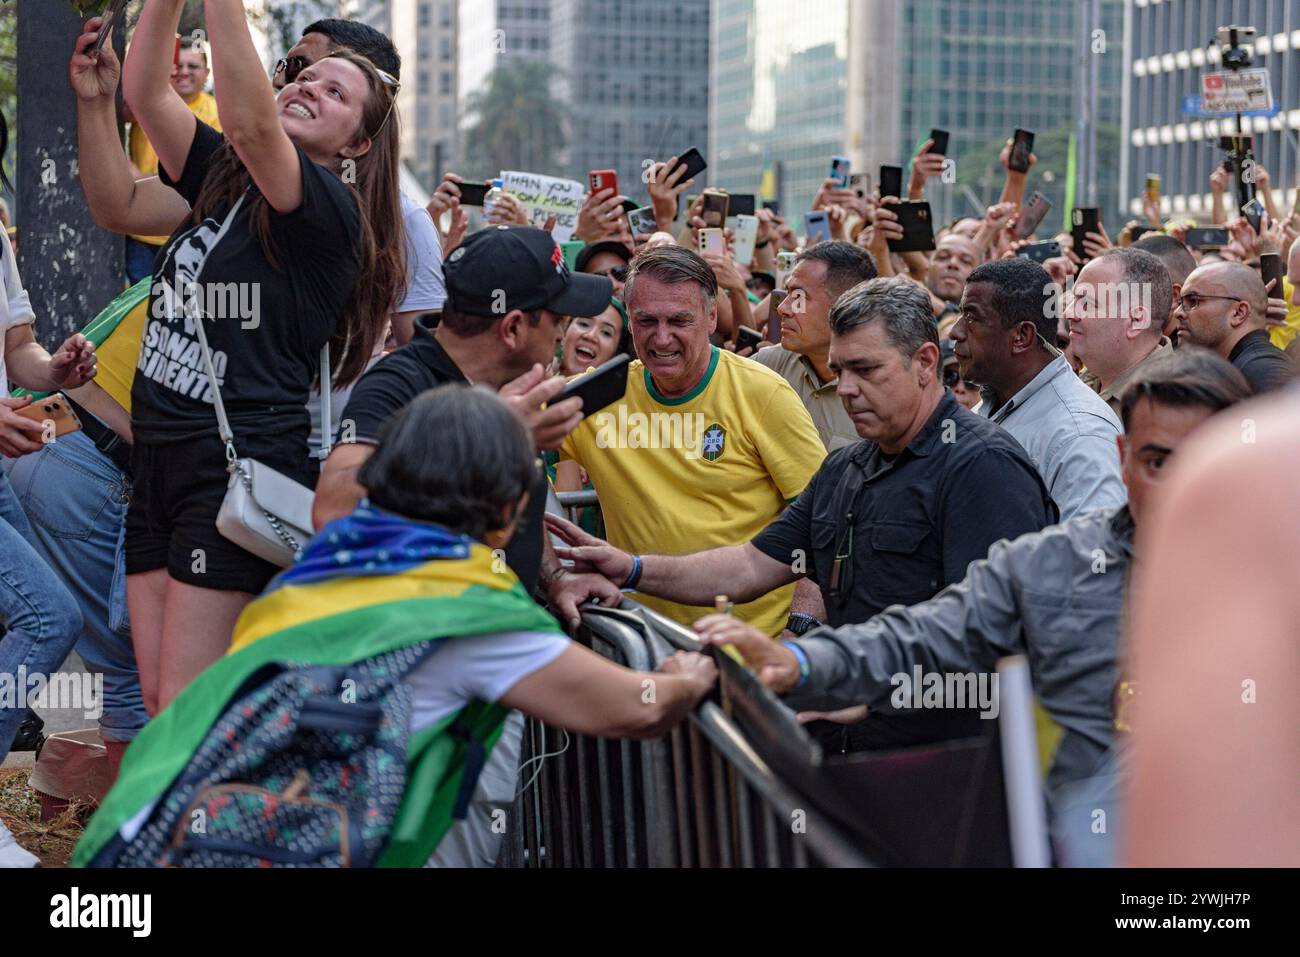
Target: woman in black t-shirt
314, 253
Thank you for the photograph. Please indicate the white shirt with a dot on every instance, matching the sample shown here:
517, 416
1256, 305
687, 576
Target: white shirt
478, 667
15, 306
425, 289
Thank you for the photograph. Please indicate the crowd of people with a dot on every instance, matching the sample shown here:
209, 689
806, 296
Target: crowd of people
940, 459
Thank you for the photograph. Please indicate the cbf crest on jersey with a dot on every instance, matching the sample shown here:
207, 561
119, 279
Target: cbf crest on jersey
714, 442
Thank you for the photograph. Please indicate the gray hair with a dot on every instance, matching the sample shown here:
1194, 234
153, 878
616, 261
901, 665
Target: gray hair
903, 305
671, 265
1150, 272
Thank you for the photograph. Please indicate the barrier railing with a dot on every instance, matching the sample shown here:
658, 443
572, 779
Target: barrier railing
741, 784
701, 797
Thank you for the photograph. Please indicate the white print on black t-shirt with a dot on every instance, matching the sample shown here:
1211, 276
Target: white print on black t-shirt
170, 353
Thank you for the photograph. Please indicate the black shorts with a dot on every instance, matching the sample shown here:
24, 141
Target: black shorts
178, 490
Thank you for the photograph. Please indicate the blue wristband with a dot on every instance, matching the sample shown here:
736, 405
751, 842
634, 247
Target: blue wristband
805, 666
635, 576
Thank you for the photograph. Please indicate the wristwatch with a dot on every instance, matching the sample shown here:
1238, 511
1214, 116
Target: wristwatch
801, 623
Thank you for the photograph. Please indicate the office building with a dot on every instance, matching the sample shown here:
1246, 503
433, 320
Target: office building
634, 79
1170, 46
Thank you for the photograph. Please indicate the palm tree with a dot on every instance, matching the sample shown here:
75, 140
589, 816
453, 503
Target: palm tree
518, 125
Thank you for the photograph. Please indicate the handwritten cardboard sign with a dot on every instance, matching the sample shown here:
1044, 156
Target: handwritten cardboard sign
546, 196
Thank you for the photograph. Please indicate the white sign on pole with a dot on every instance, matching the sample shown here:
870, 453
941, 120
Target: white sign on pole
1240, 92
546, 196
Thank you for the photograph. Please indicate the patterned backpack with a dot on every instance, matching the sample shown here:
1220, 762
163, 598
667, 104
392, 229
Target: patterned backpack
306, 767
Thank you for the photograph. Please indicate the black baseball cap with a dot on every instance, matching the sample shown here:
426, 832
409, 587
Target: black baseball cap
502, 268
595, 249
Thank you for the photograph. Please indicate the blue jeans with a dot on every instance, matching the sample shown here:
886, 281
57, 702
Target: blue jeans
139, 260
76, 498
40, 616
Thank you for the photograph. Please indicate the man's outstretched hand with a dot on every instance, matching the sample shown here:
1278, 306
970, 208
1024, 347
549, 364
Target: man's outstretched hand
774, 663
587, 552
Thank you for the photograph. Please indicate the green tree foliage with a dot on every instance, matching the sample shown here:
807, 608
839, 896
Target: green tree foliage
518, 124
980, 170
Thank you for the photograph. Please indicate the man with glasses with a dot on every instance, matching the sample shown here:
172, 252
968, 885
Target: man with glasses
188, 79
608, 258
426, 290
890, 520
1222, 308
1003, 341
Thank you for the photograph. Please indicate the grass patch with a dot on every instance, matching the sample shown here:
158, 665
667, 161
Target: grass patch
20, 809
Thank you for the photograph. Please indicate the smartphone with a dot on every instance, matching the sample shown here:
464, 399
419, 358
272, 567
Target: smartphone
775, 204
740, 204
714, 212
860, 183
1031, 215
747, 338
1270, 268
773, 317
693, 162
1153, 188
712, 241
1254, 212
603, 179
642, 220
918, 228
817, 227
891, 181
940, 138
600, 387
744, 235
106, 27
1022, 144
53, 408
1040, 252
840, 166
784, 265
1206, 237
473, 194
1084, 220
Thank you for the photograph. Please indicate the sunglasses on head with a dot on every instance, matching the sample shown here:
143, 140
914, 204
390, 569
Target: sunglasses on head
294, 65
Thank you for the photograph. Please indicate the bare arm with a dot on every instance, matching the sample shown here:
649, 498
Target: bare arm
583, 692
158, 108
119, 199
338, 491
690, 579
94, 399
246, 102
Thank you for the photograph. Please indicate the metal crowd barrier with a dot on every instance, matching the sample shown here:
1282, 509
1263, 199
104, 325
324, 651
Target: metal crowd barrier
700, 797
572, 501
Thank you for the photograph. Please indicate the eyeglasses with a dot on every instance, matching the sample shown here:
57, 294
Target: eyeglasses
952, 376
292, 66
1193, 299
617, 273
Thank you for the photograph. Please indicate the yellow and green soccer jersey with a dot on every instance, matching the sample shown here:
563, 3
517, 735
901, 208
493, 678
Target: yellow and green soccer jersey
709, 468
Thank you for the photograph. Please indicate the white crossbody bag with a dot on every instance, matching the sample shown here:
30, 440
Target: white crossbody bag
264, 512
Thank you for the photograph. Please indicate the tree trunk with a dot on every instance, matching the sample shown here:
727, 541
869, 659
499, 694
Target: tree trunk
70, 267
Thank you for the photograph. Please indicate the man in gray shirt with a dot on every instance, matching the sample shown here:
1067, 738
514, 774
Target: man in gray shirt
1056, 596
1008, 319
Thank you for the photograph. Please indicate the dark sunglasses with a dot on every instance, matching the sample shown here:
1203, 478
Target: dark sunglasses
952, 376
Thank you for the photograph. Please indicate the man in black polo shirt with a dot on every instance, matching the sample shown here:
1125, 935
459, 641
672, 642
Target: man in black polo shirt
1222, 308
508, 294
891, 520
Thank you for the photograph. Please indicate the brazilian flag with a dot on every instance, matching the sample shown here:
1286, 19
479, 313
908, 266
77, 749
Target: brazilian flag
366, 585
